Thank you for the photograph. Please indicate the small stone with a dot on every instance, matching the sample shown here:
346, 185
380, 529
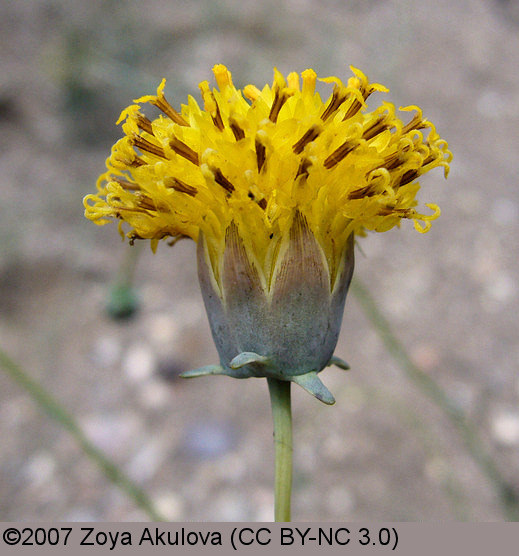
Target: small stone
114, 434
40, 469
106, 351
147, 461
340, 501
232, 468
437, 470
154, 394
162, 329
209, 439
306, 458
504, 211
505, 428
170, 369
170, 506
502, 288
263, 503
229, 507
425, 356
139, 363
492, 104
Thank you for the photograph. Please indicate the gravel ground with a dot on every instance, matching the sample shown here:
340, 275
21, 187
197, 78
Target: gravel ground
202, 449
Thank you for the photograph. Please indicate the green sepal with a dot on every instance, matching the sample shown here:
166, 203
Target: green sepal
313, 385
204, 371
338, 362
247, 357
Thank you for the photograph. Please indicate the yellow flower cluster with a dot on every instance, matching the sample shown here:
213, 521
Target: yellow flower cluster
256, 158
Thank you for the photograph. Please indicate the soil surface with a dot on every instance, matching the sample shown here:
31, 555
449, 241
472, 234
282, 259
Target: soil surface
202, 449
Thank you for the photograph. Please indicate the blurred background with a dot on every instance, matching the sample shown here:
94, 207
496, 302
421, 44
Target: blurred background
202, 449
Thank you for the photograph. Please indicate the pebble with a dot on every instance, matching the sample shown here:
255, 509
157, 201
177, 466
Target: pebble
502, 288
162, 329
340, 501
504, 211
139, 363
306, 459
154, 394
263, 501
209, 439
505, 428
437, 470
115, 434
170, 505
426, 356
40, 469
146, 462
232, 467
492, 104
229, 507
106, 351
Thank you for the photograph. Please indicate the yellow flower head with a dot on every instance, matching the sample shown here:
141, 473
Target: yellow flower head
273, 185
257, 158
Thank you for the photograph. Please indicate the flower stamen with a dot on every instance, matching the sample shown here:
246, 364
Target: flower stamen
304, 165
236, 129
221, 180
145, 145
127, 185
280, 98
260, 154
339, 153
337, 98
308, 137
180, 186
184, 150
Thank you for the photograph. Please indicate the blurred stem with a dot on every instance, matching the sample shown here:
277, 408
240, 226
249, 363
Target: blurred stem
282, 416
507, 496
126, 272
122, 301
57, 412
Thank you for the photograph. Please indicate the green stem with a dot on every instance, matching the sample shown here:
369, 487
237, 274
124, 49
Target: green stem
282, 416
473, 443
56, 411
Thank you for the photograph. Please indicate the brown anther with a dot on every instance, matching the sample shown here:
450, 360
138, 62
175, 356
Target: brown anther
279, 99
367, 92
180, 186
308, 137
162, 104
339, 153
392, 161
144, 124
303, 168
145, 202
402, 212
184, 150
260, 154
407, 177
355, 106
220, 179
146, 146
375, 128
262, 203
236, 129
135, 162
337, 99
366, 191
217, 117
174, 240
415, 123
127, 185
